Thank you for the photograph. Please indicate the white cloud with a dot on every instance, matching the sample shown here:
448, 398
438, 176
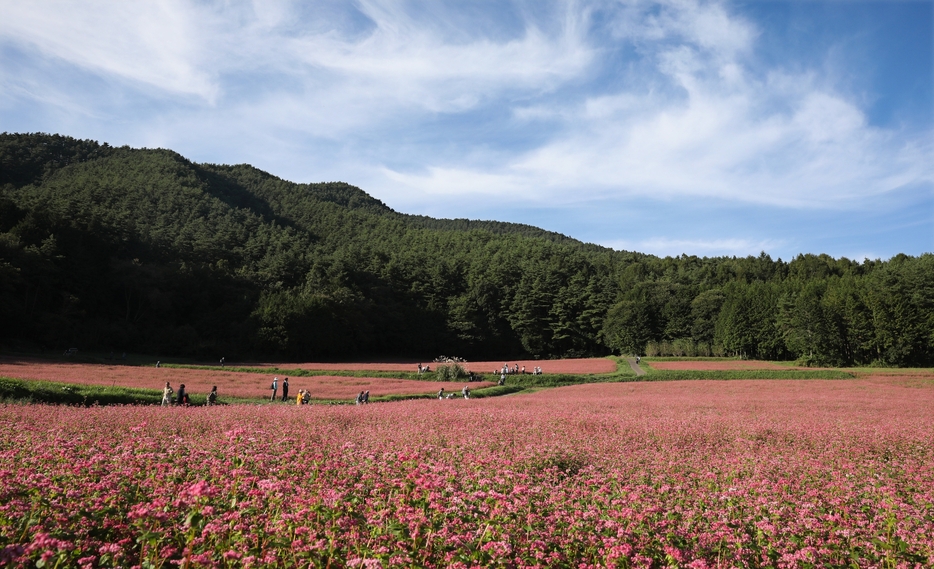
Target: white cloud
666, 247
706, 25
725, 146
403, 66
451, 182
778, 138
355, 89
399, 63
157, 43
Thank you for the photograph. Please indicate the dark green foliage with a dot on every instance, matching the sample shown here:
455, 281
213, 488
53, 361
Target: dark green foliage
746, 326
498, 228
815, 309
142, 250
450, 372
629, 327
28, 158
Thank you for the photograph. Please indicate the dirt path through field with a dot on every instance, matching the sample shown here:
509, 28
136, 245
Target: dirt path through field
635, 367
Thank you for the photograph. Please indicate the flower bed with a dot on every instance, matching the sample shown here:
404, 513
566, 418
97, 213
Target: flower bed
690, 474
229, 384
715, 365
581, 365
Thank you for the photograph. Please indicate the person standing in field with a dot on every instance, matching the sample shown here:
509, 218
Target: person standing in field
366, 396
167, 394
285, 388
180, 398
274, 387
466, 392
212, 396
441, 394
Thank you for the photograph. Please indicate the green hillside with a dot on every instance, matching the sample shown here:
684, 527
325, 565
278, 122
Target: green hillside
142, 250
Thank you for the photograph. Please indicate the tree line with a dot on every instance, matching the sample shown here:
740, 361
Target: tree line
143, 250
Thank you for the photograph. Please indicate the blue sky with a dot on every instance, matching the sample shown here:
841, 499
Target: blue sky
681, 126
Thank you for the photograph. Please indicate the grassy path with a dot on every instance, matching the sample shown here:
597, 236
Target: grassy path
635, 367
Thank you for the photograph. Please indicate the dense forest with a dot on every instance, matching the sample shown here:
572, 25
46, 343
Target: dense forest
142, 250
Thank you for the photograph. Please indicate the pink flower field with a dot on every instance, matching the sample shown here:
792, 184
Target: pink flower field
716, 365
578, 365
229, 384
677, 474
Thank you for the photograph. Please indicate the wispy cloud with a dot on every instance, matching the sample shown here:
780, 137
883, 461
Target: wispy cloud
262, 55
665, 247
159, 44
427, 105
706, 124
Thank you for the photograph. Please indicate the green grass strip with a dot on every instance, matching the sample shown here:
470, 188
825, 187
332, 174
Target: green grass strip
56, 393
495, 391
25, 391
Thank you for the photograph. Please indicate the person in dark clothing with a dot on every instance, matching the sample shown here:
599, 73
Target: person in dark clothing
212, 396
180, 396
285, 388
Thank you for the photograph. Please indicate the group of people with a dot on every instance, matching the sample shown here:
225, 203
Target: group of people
170, 397
303, 397
275, 388
507, 369
450, 395
181, 398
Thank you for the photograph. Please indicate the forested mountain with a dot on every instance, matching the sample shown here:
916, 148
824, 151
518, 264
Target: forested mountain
143, 250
